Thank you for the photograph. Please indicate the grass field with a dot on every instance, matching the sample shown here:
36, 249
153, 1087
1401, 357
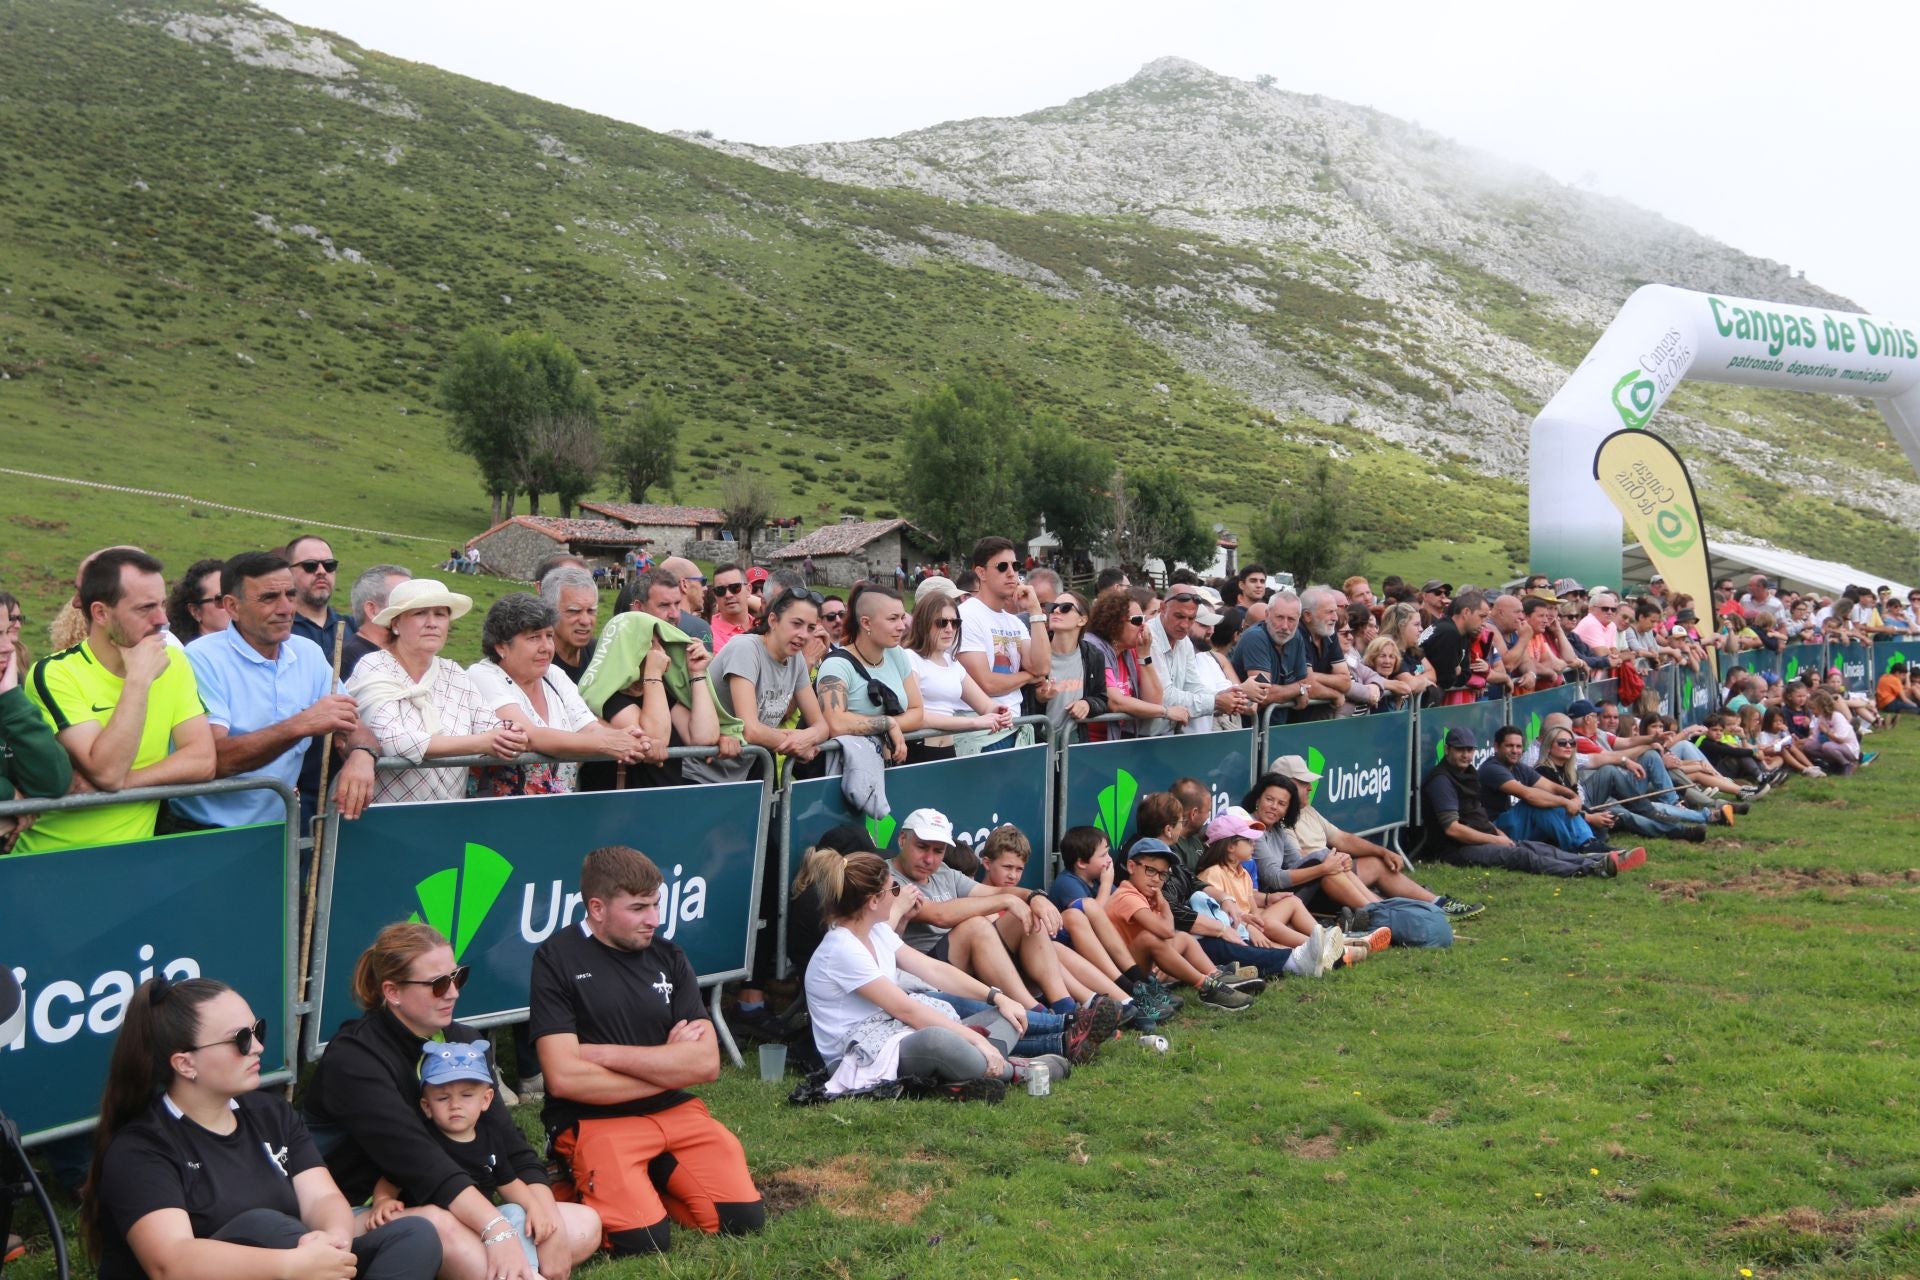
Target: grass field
1706, 1068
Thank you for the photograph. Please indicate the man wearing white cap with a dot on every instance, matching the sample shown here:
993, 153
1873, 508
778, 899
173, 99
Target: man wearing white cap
1377, 867
951, 917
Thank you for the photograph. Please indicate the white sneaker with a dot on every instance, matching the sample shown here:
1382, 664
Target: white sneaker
1815, 771
1330, 947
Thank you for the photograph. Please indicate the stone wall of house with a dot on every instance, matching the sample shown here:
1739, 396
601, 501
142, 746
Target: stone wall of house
514, 550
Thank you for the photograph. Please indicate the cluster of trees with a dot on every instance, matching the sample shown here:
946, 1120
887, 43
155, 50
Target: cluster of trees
528, 415
976, 464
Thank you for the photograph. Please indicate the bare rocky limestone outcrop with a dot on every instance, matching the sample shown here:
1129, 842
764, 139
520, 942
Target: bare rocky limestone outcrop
1488, 280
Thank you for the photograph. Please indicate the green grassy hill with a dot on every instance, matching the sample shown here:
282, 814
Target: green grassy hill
235, 281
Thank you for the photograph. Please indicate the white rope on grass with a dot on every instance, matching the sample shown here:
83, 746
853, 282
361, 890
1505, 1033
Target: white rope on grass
217, 506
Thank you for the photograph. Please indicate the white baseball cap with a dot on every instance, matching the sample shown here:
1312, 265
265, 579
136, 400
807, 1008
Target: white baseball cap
930, 825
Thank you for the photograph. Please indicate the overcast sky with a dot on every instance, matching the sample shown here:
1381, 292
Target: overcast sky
1783, 130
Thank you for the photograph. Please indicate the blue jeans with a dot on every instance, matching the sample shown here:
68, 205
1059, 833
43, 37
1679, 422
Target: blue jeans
1641, 817
1269, 961
1044, 1030
1553, 826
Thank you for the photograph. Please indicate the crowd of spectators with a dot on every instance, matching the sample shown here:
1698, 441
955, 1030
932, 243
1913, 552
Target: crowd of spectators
933, 963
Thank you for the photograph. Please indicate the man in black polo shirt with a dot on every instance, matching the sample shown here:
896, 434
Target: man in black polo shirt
1459, 830
616, 1017
1328, 679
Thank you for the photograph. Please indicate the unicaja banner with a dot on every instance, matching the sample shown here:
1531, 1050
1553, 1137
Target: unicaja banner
1648, 484
1664, 335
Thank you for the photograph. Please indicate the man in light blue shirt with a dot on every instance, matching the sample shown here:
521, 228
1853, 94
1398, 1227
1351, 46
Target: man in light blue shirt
268, 693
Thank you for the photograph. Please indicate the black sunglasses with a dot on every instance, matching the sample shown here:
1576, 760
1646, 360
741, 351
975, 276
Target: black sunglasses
314, 566
242, 1040
204, 601
1062, 606
1138, 619
444, 983
800, 593
730, 589
946, 622
833, 615
1185, 597
1003, 567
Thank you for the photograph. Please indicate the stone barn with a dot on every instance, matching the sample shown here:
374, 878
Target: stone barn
671, 530
516, 545
846, 552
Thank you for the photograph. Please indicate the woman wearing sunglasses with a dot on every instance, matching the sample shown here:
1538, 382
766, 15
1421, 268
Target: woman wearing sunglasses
1117, 628
1076, 684
198, 1172
363, 1105
950, 699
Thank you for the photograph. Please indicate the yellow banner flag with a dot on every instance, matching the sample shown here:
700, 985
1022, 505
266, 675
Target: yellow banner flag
1646, 480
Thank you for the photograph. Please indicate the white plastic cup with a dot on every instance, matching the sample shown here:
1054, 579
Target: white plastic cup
773, 1062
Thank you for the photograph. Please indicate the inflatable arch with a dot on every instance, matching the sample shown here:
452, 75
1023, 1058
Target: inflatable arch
1663, 335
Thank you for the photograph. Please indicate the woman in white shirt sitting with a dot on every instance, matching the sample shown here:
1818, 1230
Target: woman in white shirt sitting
868, 1028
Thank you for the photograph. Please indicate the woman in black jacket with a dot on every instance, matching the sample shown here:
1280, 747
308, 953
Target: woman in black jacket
1076, 690
363, 1107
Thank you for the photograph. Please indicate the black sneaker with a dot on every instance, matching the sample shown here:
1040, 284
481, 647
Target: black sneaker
1218, 994
1693, 833
985, 1089
1457, 910
1250, 986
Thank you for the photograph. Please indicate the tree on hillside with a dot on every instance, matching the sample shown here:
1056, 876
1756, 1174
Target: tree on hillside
1302, 533
960, 443
1154, 519
561, 455
1065, 481
647, 448
746, 501
494, 388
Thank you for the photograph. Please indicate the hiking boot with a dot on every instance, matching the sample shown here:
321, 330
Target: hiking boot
1692, 833
1151, 1000
1457, 910
1630, 860
984, 1089
1216, 993
1601, 865
1740, 807
1247, 986
1058, 1068
1721, 817
1174, 1002
1235, 972
1089, 1028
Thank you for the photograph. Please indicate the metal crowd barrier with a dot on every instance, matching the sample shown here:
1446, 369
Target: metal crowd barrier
455, 879
82, 945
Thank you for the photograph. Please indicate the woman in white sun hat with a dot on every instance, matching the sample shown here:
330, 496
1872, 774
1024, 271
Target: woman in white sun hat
422, 706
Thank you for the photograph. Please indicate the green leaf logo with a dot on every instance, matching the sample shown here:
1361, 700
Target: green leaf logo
1440, 749
1793, 668
880, 830
1895, 657
1686, 693
1116, 806
1316, 763
1533, 727
457, 900
1633, 398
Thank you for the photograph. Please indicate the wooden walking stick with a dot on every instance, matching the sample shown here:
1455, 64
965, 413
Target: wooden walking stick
319, 831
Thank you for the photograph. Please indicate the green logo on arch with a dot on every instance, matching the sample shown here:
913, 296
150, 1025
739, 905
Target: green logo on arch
1633, 398
880, 830
456, 901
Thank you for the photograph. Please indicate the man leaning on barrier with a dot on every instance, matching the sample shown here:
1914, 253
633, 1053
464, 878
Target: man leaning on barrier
31, 761
269, 695
123, 703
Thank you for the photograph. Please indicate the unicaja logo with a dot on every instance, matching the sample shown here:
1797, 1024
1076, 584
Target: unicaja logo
456, 901
1633, 397
1316, 763
1116, 806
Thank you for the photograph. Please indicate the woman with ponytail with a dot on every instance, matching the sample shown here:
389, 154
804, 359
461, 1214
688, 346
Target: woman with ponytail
363, 1105
868, 1028
199, 1175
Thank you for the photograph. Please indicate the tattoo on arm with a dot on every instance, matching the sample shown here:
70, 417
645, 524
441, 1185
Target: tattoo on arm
877, 726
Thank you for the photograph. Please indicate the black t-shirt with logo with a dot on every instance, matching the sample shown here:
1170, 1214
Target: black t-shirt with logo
163, 1160
603, 995
488, 1159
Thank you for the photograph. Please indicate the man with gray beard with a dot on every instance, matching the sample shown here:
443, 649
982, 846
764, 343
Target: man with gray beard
1328, 679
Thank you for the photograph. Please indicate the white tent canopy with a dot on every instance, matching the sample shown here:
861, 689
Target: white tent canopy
1792, 572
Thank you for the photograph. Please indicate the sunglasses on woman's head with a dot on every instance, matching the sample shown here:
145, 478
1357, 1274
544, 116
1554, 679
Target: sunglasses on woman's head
242, 1040
444, 983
